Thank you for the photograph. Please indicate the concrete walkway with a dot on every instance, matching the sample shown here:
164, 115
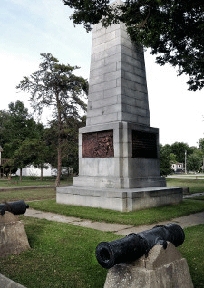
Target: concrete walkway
119, 229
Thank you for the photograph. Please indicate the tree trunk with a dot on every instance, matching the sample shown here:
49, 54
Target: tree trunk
59, 148
59, 165
41, 172
21, 173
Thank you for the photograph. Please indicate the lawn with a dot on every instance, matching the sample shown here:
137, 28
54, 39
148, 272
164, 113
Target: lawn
195, 185
28, 194
32, 181
63, 255
144, 216
44, 199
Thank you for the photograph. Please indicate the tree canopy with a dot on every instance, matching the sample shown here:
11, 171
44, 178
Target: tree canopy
180, 152
55, 86
173, 29
19, 133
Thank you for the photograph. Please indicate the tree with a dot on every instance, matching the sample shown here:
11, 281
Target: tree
31, 151
172, 28
70, 158
178, 149
194, 162
165, 161
20, 136
4, 116
54, 85
201, 148
69, 142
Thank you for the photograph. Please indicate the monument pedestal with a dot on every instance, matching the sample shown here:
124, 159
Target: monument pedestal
120, 177
123, 200
119, 155
119, 165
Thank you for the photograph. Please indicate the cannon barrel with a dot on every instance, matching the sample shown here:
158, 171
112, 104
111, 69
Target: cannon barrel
133, 246
17, 207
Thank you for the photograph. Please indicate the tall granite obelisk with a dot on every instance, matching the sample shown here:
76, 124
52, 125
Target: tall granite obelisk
119, 165
118, 149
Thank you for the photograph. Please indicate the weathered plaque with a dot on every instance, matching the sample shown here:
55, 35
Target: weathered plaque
144, 144
98, 144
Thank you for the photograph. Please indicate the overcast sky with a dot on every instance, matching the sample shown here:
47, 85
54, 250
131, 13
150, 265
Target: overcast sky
28, 28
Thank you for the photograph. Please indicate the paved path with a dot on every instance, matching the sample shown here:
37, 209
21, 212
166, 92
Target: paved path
119, 229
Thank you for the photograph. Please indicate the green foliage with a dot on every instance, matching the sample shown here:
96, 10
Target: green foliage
173, 29
195, 160
175, 153
26, 142
55, 86
20, 135
178, 149
165, 160
201, 145
69, 142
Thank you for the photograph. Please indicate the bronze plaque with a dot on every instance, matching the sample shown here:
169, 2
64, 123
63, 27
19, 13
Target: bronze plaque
98, 144
144, 144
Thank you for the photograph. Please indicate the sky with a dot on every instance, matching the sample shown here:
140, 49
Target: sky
28, 28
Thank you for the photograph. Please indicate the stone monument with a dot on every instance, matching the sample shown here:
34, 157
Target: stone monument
119, 166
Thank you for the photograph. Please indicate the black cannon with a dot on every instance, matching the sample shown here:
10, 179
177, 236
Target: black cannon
17, 207
133, 246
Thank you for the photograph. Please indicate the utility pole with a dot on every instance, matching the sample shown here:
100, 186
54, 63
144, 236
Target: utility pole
185, 161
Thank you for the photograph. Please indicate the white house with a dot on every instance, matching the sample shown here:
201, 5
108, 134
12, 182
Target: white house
36, 172
47, 172
177, 167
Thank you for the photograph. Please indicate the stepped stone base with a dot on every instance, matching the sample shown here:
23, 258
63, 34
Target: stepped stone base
123, 200
162, 268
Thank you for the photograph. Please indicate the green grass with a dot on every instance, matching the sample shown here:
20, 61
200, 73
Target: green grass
33, 181
192, 249
195, 185
27, 194
63, 256
145, 216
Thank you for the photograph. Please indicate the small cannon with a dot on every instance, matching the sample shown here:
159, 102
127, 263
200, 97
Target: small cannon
17, 207
133, 246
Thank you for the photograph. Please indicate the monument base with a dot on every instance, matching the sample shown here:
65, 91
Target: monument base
124, 200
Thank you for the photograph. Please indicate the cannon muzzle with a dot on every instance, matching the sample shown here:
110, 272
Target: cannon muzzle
133, 246
17, 207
